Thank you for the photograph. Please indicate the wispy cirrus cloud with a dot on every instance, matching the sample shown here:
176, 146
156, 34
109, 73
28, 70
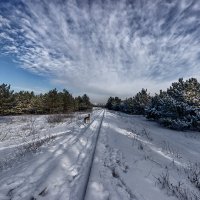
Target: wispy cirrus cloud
104, 47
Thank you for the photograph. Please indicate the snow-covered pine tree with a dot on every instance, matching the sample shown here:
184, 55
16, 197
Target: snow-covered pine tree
178, 108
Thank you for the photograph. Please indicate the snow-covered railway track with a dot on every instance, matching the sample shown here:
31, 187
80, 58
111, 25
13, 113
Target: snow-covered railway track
78, 192
90, 164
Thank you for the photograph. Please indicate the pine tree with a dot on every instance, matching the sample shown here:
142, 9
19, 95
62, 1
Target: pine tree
51, 101
109, 103
6, 100
68, 104
140, 102
178, 108
23, 102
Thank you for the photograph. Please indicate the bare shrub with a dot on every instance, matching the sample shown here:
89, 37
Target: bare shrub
166, 147
31, 141
3, 135
32, 126
193, 174
22, 150
35, 145
146, 133
6, 119
147, 157
58, 118
176, 190
140, 146
134, 140
5, 131
36, 141
24, 118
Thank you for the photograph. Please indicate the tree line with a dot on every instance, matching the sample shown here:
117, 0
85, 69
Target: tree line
52, 102
178, 107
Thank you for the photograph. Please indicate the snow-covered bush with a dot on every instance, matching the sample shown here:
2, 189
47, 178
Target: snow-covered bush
134, 105
180, 125
175, 108
57, 118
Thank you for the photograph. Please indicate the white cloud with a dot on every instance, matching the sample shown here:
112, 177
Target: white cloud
107, 48
4, 22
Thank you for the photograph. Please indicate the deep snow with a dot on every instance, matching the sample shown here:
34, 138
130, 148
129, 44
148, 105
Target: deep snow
131, 156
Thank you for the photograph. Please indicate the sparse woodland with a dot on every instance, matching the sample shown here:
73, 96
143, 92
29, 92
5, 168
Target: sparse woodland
52, 102
177, 108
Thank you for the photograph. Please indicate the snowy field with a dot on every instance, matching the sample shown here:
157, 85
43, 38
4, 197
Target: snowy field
133, 159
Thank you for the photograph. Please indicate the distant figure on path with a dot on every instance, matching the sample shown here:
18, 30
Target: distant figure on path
87, 119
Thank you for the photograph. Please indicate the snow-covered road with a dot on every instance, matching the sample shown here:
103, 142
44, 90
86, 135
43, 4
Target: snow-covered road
59, 171
126, 162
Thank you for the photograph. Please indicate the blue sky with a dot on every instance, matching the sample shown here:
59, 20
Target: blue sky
99, 47
21, 79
